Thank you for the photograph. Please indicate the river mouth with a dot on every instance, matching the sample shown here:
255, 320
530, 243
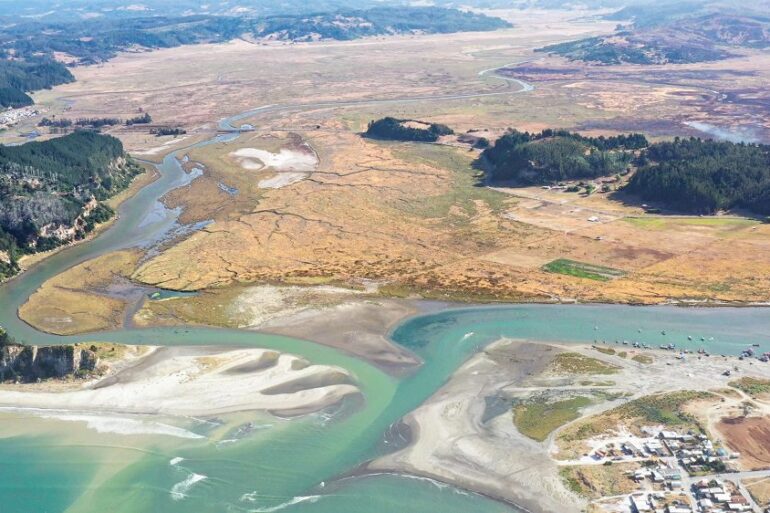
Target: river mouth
257, 462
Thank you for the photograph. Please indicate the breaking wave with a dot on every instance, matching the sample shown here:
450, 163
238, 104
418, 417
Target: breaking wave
179, 490
295, 500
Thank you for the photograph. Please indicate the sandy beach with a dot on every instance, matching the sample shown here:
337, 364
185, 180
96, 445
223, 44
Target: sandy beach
200, 381
453, 442
464, 434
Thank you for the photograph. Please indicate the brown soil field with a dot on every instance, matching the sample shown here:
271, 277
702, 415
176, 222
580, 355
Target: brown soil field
750, 436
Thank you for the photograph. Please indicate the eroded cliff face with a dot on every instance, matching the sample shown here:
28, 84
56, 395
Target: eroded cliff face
31, 363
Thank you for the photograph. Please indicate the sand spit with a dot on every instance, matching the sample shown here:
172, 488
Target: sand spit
202, 381
353, 324
465, 435
490, 457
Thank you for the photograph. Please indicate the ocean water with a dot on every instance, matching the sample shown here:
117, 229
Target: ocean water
257, 463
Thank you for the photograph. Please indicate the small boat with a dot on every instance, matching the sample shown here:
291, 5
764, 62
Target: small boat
663, 332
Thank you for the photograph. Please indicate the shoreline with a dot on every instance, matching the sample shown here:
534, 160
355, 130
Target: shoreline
28, 262
187, 381
489, 456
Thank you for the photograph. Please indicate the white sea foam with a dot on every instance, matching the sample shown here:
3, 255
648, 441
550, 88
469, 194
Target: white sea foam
295, 500
175, 461
110, 424
250, 497
179, 490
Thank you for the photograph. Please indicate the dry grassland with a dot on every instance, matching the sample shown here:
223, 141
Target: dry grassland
412, 217
79, 300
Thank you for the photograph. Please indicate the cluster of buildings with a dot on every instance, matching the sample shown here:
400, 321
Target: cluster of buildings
667, 478
718, 496
705, 496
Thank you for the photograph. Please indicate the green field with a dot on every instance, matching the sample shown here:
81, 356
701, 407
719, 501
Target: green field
582, 270
538, 419
752, 386
575, 363
666, 409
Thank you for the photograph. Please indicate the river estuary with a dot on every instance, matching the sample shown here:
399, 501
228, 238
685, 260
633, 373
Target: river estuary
57, 461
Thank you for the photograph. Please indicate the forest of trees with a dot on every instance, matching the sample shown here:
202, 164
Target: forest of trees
50, 183
398, 130
144, 119
30, 74
555, 155
703, 176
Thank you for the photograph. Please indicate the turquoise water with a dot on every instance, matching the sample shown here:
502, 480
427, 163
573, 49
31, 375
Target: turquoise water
283, 465
53, 466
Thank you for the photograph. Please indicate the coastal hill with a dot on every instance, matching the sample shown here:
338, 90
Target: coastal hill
52, 192
33, 52
675, 40
688, 175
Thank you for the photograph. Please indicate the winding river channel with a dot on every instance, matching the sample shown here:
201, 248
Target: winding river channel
65, 461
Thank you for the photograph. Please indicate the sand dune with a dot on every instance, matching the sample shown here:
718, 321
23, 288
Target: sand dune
196, 381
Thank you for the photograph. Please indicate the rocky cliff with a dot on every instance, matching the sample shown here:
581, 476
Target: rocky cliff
31, 363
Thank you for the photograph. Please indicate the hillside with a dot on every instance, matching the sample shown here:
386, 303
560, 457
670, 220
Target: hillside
96, 40
702, 38
50, 191
22, 75
703, 177
552, 156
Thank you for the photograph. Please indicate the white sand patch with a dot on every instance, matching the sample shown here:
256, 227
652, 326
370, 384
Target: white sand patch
282, 180
256, 306
284, 160
187, 382
291, 165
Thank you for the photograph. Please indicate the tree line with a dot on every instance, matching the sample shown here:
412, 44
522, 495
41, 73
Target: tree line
558, 155
53, 183
398, 130
704, 176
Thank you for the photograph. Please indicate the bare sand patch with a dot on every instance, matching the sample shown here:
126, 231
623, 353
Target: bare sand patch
286, 159
195, 381
257, 306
